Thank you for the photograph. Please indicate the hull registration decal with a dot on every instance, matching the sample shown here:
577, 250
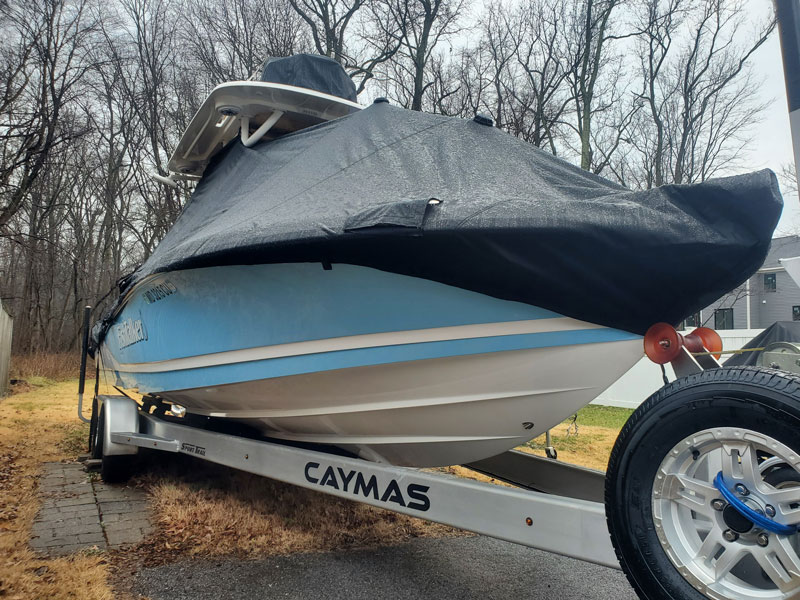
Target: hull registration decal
159, 292
130, 332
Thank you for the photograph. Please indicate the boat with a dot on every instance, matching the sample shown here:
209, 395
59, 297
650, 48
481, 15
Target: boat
413, 289
393, 368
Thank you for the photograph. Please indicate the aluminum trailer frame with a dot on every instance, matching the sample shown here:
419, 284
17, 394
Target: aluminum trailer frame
568, 526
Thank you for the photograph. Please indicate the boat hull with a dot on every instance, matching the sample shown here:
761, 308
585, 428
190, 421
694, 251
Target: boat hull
409, 372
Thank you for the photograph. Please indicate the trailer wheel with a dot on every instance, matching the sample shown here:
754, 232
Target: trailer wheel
703, 488
117, 468
114, 468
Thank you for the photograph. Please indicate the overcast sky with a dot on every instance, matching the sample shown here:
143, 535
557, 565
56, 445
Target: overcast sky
772, 140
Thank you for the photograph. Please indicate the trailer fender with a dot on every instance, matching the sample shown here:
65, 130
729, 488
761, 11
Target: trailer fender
120, 415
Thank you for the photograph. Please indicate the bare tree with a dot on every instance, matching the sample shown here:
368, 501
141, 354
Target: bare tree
789, 177
328, 22
230, 39
147, 52
543, 56
44, 63
657, 23
422, 26
591, 38
714, 97
500, 46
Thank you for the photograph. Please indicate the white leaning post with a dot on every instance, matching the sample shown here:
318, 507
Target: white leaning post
251, 140
567, 526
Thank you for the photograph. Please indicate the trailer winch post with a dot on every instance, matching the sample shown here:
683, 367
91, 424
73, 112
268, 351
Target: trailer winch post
87, 311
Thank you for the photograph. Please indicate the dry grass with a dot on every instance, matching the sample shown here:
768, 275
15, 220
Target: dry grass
591, 446
40, 368
202, 509
460, 471
209, 510
39, 426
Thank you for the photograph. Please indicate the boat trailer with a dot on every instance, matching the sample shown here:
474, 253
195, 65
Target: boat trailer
726, 492
572, 526
553, 506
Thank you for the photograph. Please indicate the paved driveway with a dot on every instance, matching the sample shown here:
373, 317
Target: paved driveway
431, 569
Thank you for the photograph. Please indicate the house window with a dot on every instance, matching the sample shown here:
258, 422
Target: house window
723, 318
796, 313
692, 321
770, 283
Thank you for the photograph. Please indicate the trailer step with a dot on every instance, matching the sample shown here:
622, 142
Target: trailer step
145, 440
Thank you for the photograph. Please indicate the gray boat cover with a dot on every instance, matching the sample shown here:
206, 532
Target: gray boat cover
312, 72
511, 221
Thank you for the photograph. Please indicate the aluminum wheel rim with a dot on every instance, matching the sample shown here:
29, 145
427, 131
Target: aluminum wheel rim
691, 528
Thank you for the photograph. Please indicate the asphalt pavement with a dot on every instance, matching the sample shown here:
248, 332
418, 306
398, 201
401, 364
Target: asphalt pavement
465, 568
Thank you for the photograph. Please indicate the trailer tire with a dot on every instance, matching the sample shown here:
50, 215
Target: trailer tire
117, 468
646, 515
94, 448
114, 468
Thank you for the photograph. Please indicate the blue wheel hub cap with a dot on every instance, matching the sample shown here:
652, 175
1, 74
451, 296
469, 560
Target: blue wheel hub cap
758, 519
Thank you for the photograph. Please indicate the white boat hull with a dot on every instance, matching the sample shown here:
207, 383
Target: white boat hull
432, 412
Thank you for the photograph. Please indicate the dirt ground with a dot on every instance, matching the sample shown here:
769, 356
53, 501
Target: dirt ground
201, 510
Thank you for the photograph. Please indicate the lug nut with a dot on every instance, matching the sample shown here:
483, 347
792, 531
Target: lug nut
762, 539
718, 504
730, 535
770, 510
741, 489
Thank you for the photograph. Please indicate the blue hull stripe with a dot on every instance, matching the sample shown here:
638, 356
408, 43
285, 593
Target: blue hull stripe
220, 309
343, 359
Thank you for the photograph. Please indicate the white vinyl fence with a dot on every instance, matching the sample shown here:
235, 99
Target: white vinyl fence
6, 327
644, 378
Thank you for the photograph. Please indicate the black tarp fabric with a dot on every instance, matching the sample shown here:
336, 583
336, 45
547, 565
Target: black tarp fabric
512, 221
780, 331
312, 72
